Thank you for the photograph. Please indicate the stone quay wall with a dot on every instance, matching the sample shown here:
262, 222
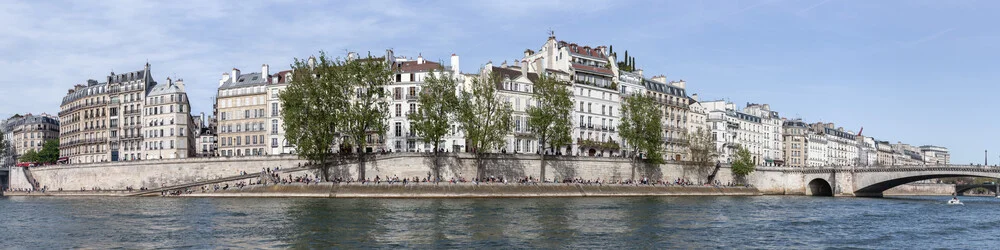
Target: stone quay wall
922, 189
163, 173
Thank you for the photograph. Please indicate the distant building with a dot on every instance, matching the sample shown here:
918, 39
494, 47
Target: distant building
883, 153
796, 143
28, 132
936, 155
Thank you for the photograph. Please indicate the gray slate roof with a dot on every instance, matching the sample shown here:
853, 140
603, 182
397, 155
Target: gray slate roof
245, 80
163, 89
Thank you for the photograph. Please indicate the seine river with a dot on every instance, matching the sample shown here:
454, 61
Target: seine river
652, 222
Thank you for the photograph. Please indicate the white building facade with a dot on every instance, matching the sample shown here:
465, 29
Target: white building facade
596, 97
168, 127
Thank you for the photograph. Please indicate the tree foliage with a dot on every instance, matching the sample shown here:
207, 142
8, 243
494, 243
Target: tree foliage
701, 147
366, 116
549, 118
312, 107
30, 156
50, 151
743, 165
334, 101
6, 151
437, 107
485, 117
640, 127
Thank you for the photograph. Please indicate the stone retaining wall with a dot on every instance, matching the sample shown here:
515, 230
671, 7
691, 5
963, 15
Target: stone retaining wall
160, 173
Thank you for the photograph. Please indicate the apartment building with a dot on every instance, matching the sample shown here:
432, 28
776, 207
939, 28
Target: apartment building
278, 143
84, 123
168, 128
515, 88
935, 155
241, 102
596, 97
672, 101
127, 93
771, 139
796, 143
29, 132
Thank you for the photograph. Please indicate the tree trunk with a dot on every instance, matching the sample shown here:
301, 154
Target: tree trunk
437, 164
542, 165
361, 166
711, 177
324, 168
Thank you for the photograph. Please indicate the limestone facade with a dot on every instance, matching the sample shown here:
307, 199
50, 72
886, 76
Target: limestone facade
241, 102
168, 126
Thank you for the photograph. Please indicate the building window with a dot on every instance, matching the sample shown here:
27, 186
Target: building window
274, 142
399, 129
274, 109
274, 126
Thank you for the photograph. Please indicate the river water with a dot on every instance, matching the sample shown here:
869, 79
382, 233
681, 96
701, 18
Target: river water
643, 222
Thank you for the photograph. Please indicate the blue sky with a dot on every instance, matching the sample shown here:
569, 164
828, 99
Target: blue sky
920, 72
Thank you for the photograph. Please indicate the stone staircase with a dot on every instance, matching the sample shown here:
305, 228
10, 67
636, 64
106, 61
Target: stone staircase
266, 177
31, 179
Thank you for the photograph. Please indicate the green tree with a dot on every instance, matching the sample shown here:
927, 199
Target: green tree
365, 117
743, 165
701, 147
30, 156
50, 151
484, 116
437, 106
312, 107
5, 149
549, 118
641, 128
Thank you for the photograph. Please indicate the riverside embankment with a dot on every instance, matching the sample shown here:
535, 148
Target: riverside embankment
430, 190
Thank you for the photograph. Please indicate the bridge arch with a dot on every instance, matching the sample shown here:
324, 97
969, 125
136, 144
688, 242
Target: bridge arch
873, 183
960, 189
819, 187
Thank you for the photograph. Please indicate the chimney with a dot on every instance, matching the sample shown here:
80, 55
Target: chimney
694, 96
660, 79
420, 59
225, 78
679, 84
455, 64
236, 75
489, 66
311, 62
528, 52
504, 64
639, 71
264, 71
169, 81
180, 84
524, 68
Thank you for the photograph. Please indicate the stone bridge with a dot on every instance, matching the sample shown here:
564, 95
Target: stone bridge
857, 181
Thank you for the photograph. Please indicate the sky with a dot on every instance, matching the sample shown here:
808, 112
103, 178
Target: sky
917, 72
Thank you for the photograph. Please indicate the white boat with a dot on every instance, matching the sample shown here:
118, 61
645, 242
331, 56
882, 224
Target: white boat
954, 201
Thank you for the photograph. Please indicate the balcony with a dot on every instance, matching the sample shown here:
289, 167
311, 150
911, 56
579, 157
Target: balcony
82, 106
132, 112
412, 97
72, 143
